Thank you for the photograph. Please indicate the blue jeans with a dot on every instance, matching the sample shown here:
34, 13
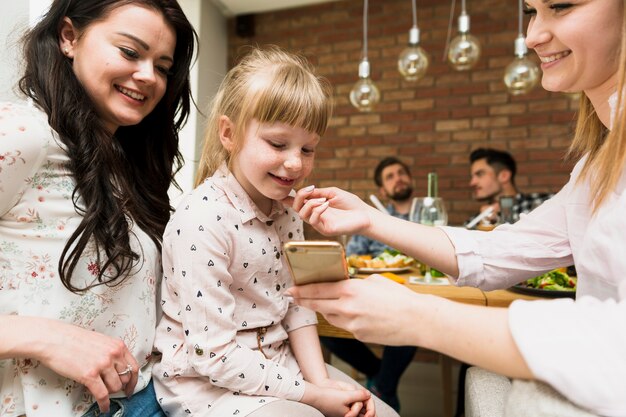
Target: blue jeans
141, 404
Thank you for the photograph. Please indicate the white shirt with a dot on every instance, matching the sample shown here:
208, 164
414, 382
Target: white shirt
577, 347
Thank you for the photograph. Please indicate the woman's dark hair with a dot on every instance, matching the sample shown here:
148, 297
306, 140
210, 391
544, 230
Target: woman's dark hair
496, 159
120, 178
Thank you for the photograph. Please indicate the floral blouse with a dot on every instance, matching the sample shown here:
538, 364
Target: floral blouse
224, 277
37, 216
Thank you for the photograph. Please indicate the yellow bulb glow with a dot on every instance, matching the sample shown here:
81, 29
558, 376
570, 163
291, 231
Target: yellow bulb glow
464, 52
413, 63
521, 75
364, 95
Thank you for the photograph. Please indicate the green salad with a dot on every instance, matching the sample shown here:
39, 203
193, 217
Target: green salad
554, 280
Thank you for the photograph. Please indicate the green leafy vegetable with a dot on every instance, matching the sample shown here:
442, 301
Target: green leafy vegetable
554, 280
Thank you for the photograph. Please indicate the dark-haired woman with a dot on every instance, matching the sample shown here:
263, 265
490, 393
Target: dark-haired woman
84, 174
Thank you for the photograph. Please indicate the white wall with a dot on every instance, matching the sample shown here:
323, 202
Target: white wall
206, 75
207, 72
13, 22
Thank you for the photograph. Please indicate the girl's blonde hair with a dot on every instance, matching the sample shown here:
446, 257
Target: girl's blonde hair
268, 85
605, 150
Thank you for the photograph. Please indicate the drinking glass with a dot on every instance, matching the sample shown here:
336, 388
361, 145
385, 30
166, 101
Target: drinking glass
430, 211
433, 212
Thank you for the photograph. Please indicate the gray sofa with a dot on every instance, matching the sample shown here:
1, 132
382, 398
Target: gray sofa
491, 395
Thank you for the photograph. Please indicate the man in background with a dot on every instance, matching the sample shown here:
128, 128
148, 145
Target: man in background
393, 178
493, 176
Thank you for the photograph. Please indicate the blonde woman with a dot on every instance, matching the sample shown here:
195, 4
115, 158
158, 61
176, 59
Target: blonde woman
576, 347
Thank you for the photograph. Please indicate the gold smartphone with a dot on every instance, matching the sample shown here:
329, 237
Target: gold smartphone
316, 261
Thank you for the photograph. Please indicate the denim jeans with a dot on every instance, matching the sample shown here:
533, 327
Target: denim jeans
141, 404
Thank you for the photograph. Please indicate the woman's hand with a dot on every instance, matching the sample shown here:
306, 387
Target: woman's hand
375, 309
331, 211
97, 361
338, 402
103, 364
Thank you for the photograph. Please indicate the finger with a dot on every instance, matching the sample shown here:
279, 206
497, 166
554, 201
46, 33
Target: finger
370, 408
113, 380
304, 211
134, 374
355, 409
358, 395
314, 204
98, 389
317, 212
327, 193
129, 388
307, 209
302, 194
324, 290
330, 309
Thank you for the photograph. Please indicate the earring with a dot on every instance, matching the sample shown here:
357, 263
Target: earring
66, 51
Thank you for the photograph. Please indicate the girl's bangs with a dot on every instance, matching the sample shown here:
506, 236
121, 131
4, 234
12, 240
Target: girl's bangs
291, 96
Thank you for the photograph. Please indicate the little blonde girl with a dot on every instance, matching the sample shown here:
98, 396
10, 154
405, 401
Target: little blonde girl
232, 344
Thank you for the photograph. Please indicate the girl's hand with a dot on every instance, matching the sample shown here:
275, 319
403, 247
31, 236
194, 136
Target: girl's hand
334, 402
97, 361
331, 211
375, 309
367, 407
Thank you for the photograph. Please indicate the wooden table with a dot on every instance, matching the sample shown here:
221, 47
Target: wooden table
467, 295
503, 298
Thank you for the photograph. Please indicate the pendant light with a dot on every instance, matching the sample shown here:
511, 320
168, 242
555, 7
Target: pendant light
364, 95
521, 75
464, 49
413, 60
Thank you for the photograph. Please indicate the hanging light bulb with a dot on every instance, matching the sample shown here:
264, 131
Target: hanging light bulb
364, 95
521, 75
464, 49
413, 60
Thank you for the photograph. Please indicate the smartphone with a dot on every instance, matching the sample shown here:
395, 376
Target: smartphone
316, 261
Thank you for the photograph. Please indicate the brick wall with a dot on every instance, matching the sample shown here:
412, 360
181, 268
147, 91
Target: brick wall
432, 124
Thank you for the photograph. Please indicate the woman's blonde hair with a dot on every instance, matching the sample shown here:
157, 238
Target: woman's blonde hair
605, 150
268, 85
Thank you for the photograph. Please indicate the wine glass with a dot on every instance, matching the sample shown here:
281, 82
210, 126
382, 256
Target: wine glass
429, 211
432, 212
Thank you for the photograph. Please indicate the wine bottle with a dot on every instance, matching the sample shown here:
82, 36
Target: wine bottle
433, 192
432, 185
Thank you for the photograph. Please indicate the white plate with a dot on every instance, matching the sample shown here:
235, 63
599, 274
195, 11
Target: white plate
377, 270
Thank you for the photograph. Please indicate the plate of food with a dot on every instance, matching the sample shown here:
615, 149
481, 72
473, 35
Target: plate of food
388, 261
383, 269
553, 284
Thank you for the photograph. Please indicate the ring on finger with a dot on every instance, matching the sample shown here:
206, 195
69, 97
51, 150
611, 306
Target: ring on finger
128, 370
